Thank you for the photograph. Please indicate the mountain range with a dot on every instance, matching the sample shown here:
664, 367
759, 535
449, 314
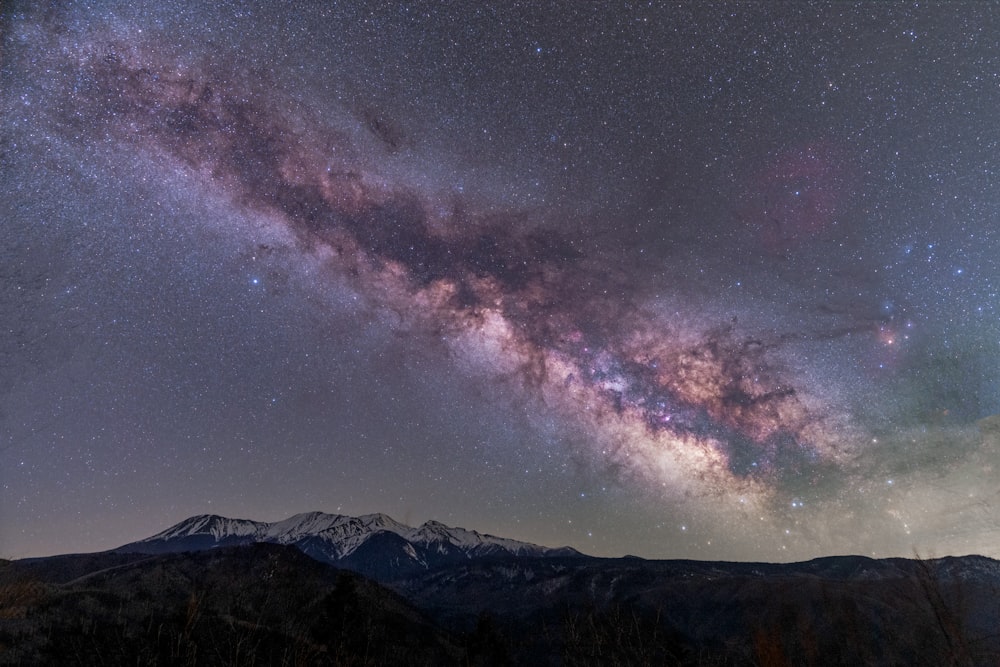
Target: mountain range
329, 589
374, 545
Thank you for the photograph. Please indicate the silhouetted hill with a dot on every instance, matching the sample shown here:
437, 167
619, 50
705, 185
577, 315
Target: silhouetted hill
846, 610
262, 604
273, 604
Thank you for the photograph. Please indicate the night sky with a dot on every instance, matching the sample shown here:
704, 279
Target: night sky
707, 280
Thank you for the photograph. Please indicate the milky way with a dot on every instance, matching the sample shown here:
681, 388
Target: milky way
759, 369
713, 400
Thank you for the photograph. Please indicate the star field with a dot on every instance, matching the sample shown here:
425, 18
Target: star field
712, 280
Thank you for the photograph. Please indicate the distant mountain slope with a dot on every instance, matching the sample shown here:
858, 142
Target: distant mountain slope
842, 610
374, 544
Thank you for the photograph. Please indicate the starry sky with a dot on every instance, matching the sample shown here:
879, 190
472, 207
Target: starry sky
705, 280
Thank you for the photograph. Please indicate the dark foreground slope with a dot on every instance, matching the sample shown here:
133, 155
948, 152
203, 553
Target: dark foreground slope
262, 604
831, 611
270, 604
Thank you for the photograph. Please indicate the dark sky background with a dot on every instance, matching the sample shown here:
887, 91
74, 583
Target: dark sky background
709, 280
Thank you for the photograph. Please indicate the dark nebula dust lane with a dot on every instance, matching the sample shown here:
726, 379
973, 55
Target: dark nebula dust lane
738, 265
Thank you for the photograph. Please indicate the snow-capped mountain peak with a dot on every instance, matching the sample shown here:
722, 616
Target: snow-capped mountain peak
374, 544
208, 524
297, 526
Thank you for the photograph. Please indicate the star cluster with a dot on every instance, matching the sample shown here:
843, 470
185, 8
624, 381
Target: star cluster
712, 280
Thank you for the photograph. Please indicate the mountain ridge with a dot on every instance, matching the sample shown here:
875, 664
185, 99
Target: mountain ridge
833, 610
373, 544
